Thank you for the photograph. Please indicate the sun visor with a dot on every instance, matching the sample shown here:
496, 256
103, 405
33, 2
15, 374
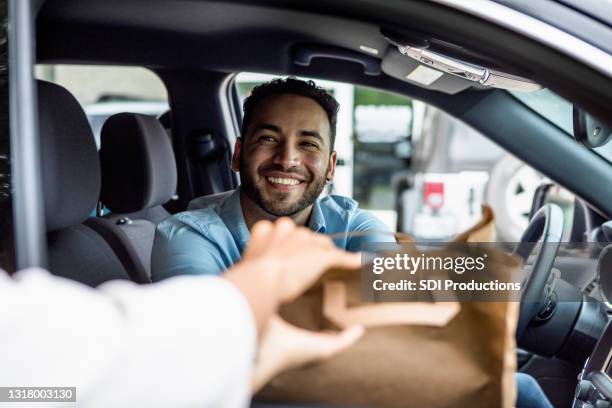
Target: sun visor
408, 70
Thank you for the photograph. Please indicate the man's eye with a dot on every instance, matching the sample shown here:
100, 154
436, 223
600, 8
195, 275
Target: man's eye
310, 145
266, 139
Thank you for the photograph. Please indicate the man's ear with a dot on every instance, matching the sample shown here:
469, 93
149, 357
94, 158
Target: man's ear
331, 169
236, 155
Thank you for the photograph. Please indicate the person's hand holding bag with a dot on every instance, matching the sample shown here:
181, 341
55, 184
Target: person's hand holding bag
302, 255
282, 261
283, 346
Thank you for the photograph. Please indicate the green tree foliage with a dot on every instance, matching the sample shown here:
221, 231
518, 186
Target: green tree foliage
370, 96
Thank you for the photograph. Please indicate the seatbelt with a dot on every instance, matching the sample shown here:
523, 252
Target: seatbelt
121, 246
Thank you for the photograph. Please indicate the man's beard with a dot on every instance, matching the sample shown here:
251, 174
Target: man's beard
272, 206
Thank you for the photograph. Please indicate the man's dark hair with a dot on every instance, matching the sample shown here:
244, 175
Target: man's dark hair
292, 85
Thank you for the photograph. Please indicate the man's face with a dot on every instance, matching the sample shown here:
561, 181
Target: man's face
284, 159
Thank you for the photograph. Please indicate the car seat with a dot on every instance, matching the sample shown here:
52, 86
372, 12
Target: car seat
138, 176
88, 250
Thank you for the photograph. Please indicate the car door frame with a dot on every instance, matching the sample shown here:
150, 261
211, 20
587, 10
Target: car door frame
27, 197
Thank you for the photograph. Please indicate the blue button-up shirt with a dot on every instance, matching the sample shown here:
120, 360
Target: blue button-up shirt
211, 239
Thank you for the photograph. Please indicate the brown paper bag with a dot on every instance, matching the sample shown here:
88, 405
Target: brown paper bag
444, 354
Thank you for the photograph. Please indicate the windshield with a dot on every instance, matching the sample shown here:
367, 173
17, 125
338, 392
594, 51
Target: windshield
558, 111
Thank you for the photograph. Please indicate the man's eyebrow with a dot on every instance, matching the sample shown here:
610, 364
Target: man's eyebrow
277, 129
312, 133
267, 126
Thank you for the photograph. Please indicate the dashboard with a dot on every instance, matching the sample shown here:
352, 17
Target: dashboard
594, 389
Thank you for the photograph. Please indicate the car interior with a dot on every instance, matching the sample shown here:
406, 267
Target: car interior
147, 169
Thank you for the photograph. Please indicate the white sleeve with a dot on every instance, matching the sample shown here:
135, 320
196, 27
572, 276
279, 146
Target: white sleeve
187, 341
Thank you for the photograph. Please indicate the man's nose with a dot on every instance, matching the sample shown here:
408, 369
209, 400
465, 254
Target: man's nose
287, 156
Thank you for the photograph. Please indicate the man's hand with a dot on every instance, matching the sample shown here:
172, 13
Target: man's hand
301, 254
284, 346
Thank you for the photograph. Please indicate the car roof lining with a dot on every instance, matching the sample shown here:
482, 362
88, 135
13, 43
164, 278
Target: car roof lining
70, 30
219, 35
216, 35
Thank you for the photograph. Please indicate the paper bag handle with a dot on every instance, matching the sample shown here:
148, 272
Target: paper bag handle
385, 314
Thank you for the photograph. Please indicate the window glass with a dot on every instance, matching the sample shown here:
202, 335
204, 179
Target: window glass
551, 106
103, 91
560, 112
455, 171
381, 149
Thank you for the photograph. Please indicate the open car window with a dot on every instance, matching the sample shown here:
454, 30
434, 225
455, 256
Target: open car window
104, 91
420, 170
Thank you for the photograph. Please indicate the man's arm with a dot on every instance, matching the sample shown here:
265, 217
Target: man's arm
364, 221
180, 250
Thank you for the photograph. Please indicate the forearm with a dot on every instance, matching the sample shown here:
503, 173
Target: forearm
188, 341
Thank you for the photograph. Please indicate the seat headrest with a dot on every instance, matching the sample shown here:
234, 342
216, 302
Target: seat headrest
70, 166
138, 164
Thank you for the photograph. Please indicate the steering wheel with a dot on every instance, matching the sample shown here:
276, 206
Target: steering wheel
547, 224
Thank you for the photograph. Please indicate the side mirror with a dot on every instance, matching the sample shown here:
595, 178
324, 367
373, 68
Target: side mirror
590, 131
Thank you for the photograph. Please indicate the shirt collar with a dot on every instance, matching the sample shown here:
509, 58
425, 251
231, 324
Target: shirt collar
231, 214
317, 220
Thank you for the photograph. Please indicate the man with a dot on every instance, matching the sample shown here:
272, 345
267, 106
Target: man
285, 157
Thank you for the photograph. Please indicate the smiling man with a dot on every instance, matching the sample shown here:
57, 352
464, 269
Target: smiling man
285, 157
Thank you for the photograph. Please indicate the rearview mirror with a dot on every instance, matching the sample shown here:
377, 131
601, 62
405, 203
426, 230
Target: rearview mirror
590, 131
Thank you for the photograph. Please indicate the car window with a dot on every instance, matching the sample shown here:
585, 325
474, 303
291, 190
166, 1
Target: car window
419, 169
103, 91
558, 111
551, 106
381, 149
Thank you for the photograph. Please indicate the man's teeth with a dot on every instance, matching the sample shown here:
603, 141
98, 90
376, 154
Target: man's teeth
285, 181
